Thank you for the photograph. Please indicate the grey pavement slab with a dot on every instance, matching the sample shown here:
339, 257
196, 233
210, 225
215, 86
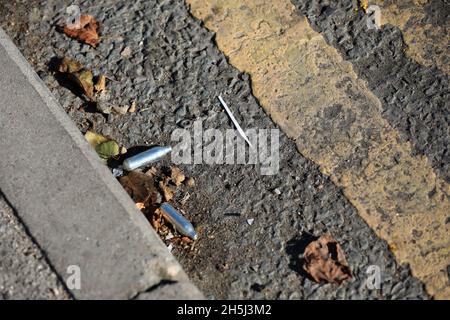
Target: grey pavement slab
24, 272
69, 202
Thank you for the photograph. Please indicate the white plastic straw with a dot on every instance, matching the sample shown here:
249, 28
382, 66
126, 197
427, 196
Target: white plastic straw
238, 127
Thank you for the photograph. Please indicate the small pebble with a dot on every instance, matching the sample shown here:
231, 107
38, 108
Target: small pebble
126, 52
120, 109
190, 182
132, 107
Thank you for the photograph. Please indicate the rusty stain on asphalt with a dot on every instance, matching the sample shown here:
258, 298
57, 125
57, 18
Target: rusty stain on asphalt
318, 100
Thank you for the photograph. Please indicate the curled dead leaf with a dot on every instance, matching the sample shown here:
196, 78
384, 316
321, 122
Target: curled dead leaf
85, 81
166, 190
76, 74
392, 247
68, 65
86, 31
151, 172
156, 219
140, 187
147, 190
100, 84
324, 261
186, 240
177, 176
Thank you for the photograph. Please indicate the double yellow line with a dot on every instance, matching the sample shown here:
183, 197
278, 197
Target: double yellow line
335, 120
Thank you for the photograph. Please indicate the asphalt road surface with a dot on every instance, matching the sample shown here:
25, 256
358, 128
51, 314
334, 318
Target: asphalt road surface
165, 58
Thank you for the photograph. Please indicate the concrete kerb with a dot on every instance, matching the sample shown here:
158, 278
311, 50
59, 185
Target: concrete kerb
71, 205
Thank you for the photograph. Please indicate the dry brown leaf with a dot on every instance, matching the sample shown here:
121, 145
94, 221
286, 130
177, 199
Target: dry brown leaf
176, 240
100, 85
186, 240
86, 81
140, 205
167, 191
325, 261
177, 176
76, 73
151, 172
68, 65
140, 187
156, 219
86, 31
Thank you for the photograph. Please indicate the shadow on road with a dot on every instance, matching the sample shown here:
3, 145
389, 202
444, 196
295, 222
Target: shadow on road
295, 248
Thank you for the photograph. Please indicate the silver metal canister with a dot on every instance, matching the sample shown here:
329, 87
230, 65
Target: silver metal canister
145, 158
179, 222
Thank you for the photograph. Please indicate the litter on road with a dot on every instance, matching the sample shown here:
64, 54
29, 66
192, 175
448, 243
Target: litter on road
85, 30
324, 261
145, 158
117, 172
81, 78
178, 221
105, 147
238, 127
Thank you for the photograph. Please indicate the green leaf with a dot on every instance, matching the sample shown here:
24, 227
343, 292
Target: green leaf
107, 149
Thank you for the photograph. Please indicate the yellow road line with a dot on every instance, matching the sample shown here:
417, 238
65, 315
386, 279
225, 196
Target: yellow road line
427, 44
317, 99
